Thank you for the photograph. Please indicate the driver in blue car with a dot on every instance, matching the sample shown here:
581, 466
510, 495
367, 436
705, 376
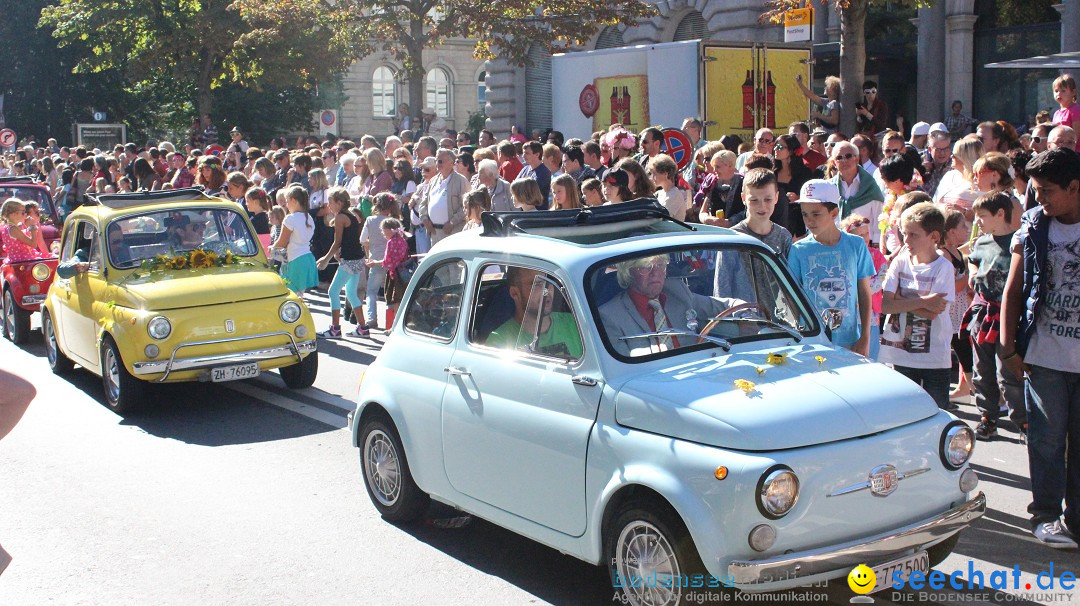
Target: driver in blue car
650, 303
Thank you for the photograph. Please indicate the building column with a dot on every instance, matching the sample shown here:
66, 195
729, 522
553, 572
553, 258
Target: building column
501, 106
930, 97
1070, 25
821, 23
959, 58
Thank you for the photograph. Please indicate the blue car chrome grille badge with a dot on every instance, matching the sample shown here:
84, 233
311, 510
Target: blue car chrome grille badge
882, 482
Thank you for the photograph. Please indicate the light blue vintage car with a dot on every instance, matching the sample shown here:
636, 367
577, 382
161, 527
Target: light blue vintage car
660, 399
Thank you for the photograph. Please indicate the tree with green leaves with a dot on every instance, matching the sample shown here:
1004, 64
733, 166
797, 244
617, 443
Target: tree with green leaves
202, 43
852, 45
404, 28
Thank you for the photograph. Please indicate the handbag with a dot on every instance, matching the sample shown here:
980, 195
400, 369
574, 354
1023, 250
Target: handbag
406, 269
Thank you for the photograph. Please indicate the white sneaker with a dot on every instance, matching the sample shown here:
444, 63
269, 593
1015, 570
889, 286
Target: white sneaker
1053, 534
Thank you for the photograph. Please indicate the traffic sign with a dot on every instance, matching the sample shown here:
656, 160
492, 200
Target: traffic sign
215, 150
678, 146
7, 138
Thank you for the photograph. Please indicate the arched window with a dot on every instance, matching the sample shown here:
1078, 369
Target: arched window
692, 27
610, 37
383, 92
481, 90
438, 91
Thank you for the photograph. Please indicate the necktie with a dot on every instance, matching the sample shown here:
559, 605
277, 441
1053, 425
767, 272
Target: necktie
660, 322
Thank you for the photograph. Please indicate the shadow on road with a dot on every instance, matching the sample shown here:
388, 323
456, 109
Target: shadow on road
544, 572
196, 413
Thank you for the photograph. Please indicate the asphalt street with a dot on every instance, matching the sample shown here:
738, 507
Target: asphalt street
249, 493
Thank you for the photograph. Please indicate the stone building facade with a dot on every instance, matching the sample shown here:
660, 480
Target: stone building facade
457, 84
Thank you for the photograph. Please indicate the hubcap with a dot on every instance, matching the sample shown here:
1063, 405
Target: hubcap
647, 566
112, 375
9, 313
381, 467
50, 339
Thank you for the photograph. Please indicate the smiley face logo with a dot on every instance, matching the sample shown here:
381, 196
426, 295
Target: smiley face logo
861, 579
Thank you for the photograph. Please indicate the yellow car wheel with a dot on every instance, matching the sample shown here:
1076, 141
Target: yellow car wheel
58, 362
123, 392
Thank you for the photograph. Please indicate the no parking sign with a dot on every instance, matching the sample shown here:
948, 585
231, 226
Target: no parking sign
7, 138
678, 146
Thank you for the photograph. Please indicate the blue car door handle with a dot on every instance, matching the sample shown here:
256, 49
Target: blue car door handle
457, 370
584, 380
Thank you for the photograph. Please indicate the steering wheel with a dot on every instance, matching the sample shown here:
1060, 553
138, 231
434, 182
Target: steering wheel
734, 309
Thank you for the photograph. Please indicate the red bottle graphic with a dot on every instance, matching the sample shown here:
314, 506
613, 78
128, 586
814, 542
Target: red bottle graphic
615, 105
748, 101
626, 106
770, 101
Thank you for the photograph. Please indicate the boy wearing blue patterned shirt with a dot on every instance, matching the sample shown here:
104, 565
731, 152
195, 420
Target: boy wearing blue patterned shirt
834, 267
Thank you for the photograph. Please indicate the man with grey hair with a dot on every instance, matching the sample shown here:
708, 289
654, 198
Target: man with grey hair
763, 144
858, 190
390, 146
487, 173
1063, 137
442, 209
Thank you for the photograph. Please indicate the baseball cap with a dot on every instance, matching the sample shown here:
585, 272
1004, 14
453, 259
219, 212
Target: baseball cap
939, 127
427, 110
819, 191
920, 129
617, 177
428, 162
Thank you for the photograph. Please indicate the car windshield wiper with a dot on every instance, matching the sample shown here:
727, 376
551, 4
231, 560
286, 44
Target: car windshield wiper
681, 333
771, 324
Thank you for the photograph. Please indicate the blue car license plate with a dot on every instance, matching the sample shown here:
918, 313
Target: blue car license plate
918, 561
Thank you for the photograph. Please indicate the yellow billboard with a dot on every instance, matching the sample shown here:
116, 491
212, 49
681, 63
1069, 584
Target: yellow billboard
623, 100
747, 88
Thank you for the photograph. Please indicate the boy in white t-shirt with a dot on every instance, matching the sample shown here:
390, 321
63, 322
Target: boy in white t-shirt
918, 289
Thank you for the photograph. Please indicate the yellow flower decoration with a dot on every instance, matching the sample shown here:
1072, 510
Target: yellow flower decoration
820, 359
760, 370
776, 359
746, 386
178, 262
199, 259
212, 258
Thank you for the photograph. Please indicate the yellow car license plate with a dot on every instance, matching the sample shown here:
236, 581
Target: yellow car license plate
917, 561
234, 373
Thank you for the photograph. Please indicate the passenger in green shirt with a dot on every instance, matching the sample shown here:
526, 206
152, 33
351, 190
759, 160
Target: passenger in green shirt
558, 333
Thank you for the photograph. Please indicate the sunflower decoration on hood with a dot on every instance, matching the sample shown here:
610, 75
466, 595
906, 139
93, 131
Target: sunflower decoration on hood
179, 262
200, 259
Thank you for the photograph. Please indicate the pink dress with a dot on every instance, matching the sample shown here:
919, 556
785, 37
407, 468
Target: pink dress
1066, 116
16, 251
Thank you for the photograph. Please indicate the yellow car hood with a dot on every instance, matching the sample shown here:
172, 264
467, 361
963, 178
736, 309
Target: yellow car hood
174, 289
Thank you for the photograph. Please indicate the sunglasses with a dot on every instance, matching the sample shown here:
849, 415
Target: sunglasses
846, 156
869, 91
1036, 139
766, 140
890, 152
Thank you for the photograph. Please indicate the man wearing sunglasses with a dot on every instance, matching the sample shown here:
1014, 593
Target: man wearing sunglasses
858, 190
872, 115
939, 152
764, 140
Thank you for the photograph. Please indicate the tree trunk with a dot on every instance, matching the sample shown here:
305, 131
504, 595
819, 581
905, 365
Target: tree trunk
204, 99
414, 69
852, 61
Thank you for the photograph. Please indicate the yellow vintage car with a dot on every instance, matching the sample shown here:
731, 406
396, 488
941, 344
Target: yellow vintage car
171, 286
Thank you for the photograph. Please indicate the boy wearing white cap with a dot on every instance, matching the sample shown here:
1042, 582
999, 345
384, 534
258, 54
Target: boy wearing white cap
834, 267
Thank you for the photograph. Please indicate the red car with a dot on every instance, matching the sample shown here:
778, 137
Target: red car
24, 285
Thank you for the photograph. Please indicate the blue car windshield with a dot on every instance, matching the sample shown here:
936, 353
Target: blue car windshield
660, 302
168, 232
